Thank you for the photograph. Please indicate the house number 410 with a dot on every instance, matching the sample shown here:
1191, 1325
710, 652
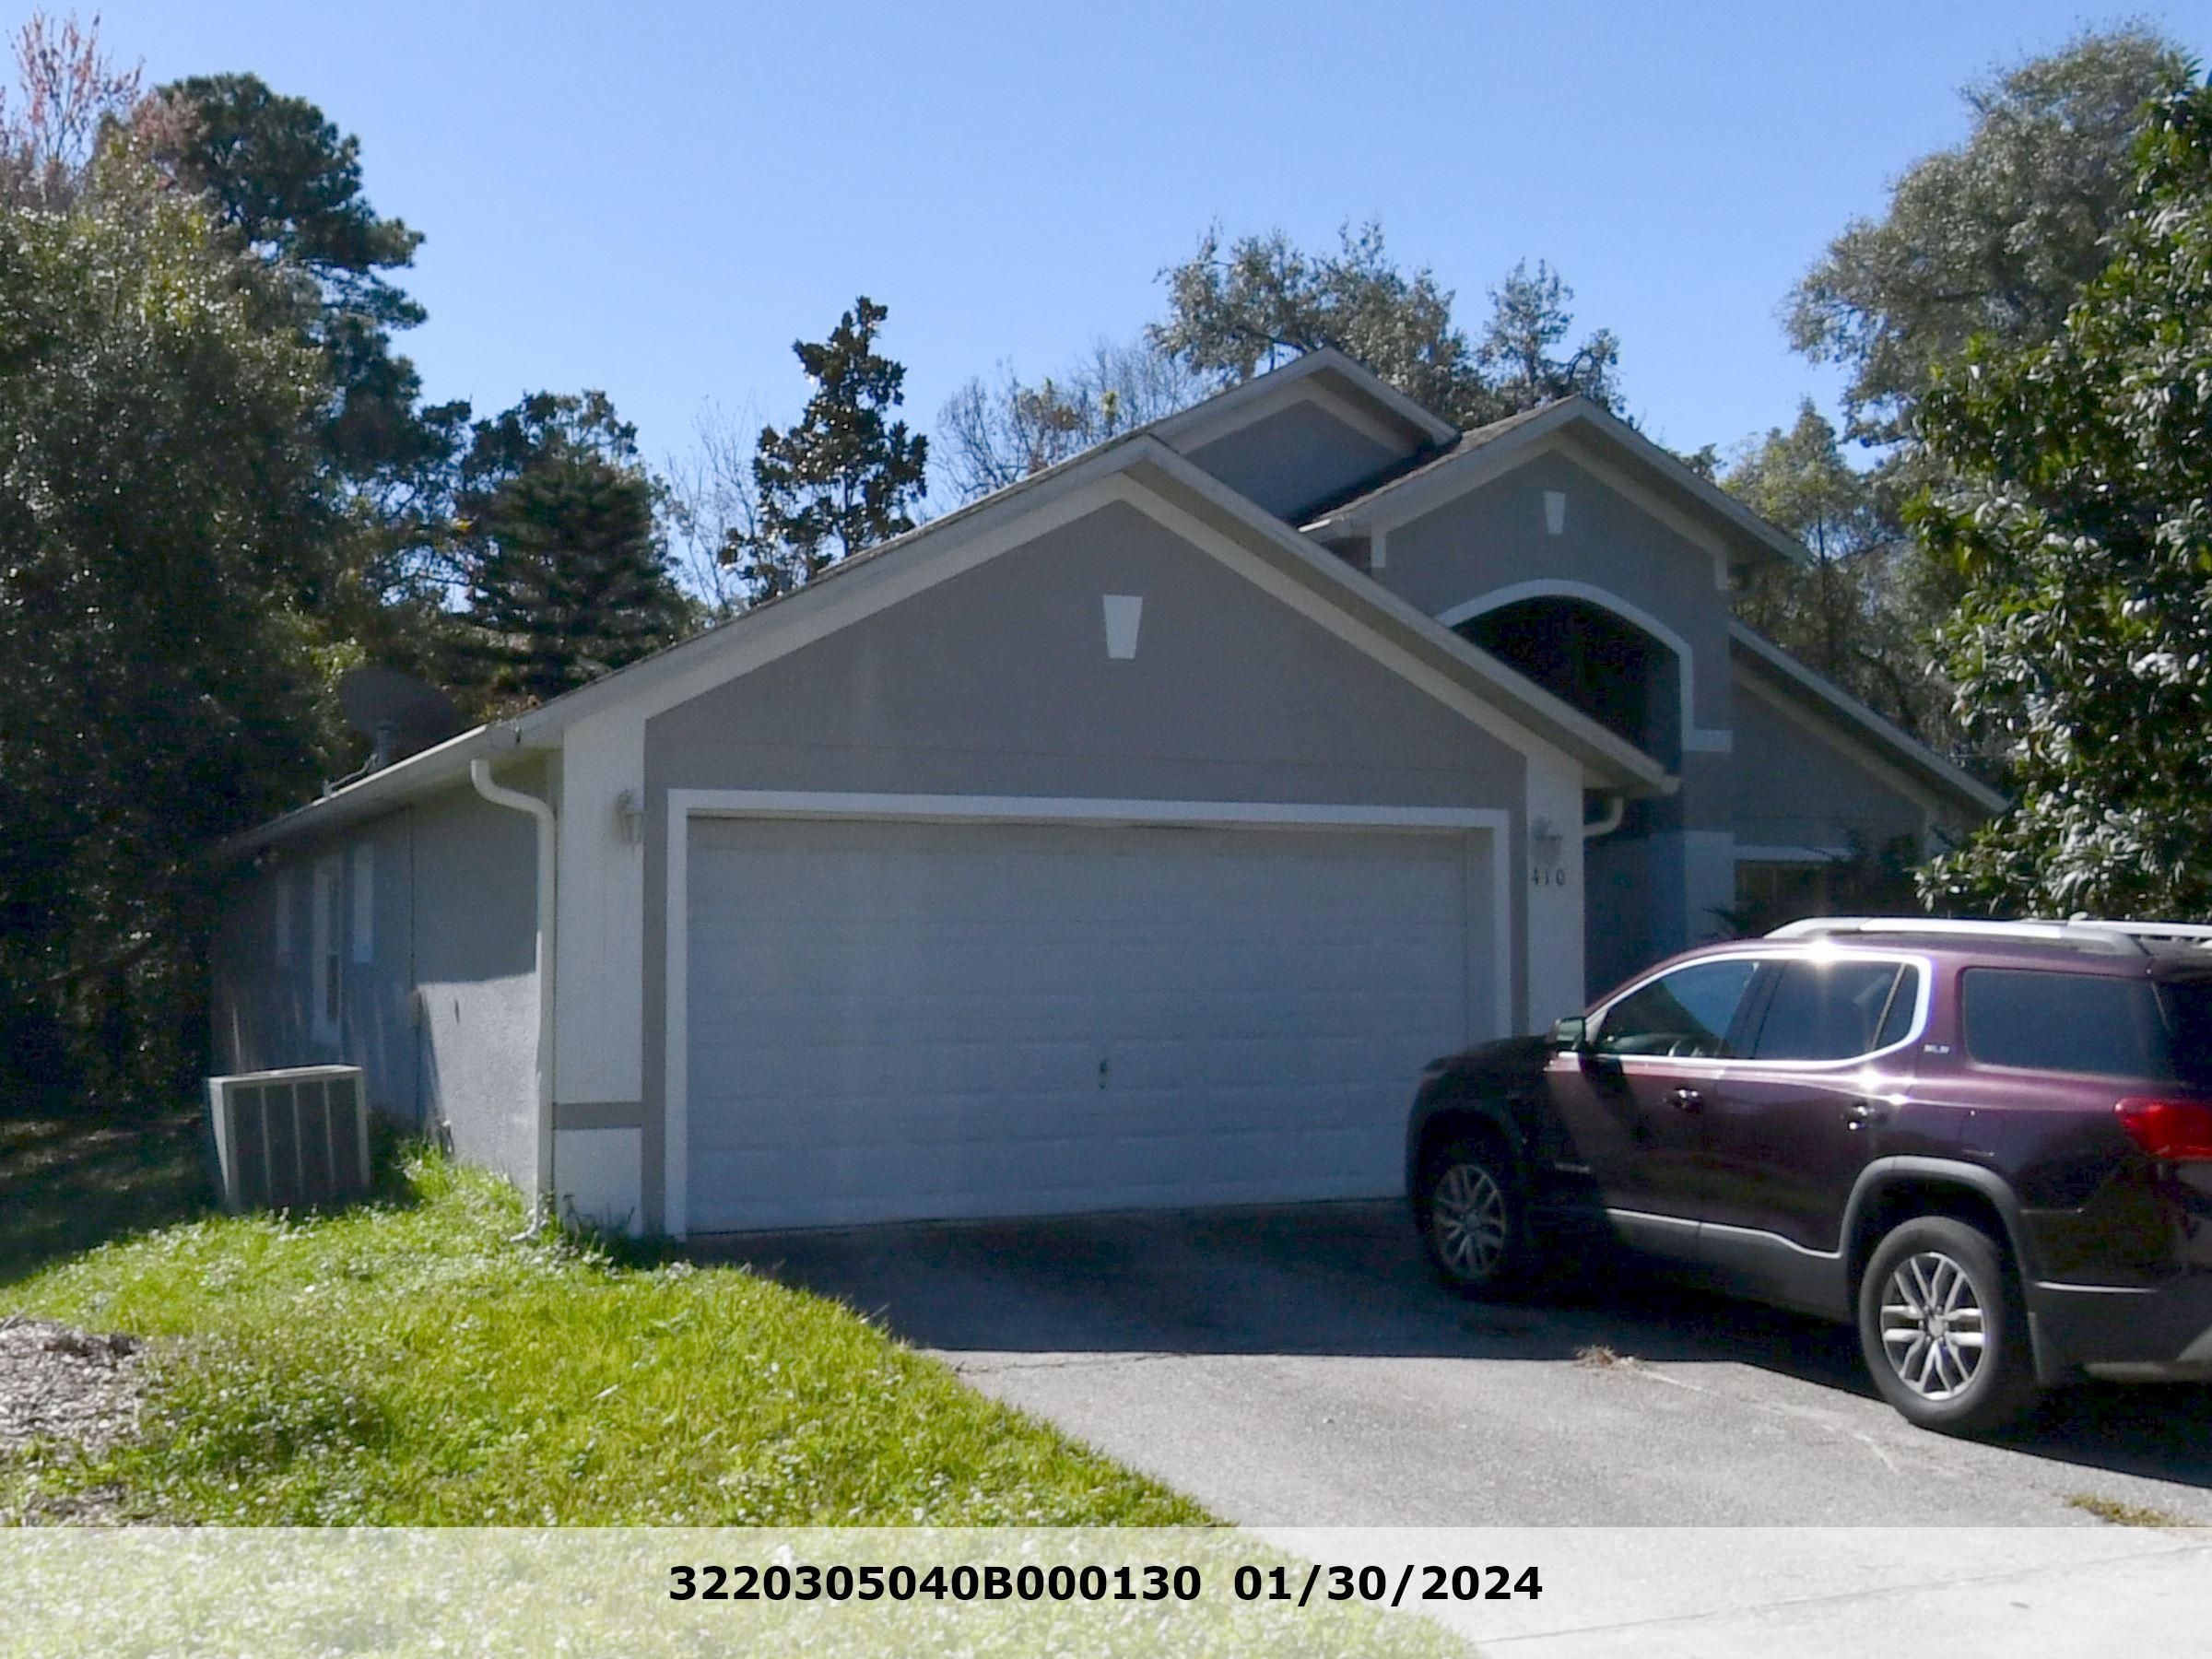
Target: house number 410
1546, 876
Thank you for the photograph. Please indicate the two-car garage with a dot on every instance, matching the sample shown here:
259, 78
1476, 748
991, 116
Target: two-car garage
936, 1008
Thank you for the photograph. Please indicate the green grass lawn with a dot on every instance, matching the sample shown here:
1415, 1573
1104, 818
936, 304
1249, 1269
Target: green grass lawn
414, 1362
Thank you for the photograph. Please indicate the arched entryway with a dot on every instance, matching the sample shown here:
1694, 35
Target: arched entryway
1592, 656
1632, 675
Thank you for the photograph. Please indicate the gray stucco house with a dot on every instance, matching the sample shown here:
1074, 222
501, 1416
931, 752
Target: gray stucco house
1128, 838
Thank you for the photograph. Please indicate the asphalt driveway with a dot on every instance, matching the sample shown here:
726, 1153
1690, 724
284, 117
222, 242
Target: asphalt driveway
1299, 1368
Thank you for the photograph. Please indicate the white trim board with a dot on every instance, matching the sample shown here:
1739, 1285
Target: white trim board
1260, 397
1259, 817
1696, 740
1562, 426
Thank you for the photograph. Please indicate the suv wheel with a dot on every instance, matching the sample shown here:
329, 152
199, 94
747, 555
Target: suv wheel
1943, 1328
1473, 1218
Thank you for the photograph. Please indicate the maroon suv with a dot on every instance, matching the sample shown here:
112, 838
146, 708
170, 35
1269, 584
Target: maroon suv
1988, 1145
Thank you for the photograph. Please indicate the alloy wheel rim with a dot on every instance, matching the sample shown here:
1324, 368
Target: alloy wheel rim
1934, 1329
1468, 1215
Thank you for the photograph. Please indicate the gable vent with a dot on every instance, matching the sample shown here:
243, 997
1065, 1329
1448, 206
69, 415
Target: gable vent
1124, 613
292, 1139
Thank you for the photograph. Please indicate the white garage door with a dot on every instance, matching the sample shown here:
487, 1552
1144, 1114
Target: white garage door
900, 1021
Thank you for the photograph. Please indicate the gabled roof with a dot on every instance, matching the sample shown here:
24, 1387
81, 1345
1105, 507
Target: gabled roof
1138, 456
1777, 667
1327, 371
1477, 456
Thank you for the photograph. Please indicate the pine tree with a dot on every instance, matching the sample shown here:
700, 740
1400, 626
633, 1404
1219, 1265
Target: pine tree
844, 478
567, 577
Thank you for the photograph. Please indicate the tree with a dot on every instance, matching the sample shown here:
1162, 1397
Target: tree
711, 505
567, 578
845, 475
1519, 357
1996, 237
282, 182
2079, 506
68, 91
1855, 611
993, 435
161, 519
1262, 301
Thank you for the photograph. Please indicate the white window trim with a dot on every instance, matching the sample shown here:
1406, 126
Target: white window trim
324, 993
363, 886
1493, 825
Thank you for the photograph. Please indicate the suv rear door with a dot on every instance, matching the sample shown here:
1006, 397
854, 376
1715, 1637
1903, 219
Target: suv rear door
1631, 1099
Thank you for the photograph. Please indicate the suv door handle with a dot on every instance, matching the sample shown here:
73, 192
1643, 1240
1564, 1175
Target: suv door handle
1688, 1099
1864, 1114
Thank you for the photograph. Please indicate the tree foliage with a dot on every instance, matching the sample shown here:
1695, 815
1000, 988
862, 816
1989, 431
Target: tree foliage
2079, 506
68, 91
845, 475
161, 517
992, 434
1854, 610
566, 576
1235, 310
1522, 356
285, 184
1996, 237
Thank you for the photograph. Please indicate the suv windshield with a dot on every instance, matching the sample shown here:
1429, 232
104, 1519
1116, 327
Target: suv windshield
2074, 1022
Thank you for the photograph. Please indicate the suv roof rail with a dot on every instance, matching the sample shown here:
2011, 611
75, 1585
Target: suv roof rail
2096, 932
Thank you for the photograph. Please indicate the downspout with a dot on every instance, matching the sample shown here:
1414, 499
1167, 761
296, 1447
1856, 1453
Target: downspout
479, 773
1617, 807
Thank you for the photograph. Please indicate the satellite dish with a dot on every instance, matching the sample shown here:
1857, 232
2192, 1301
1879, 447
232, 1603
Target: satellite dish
400, 714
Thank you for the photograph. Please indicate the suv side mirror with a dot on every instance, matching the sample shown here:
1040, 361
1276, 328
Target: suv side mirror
1568, 1034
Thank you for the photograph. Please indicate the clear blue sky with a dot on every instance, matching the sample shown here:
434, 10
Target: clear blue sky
656, 199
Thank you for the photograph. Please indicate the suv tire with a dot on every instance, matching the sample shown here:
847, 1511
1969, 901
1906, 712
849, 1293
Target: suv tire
1944, 1329
1473, 1219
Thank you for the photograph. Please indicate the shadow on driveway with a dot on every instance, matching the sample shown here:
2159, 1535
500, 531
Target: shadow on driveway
1349, 1279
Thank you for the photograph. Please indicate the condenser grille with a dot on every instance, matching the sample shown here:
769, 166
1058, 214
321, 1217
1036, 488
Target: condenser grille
295, 1139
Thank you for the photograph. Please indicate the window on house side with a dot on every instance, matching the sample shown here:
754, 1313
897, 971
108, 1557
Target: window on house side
364, 902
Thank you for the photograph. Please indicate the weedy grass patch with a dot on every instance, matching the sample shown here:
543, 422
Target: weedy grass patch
417, 1360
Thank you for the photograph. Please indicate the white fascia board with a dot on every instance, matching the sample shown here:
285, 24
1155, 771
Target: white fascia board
1083, 490
1857, 714
395, 785
1261, 395
697, 661
1422, 492
882, 576
1555, 728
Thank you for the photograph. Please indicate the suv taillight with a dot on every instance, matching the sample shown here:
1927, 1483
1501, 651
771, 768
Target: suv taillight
2177, 1131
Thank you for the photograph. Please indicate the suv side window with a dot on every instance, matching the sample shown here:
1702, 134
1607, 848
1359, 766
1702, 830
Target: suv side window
2068, 1022
1835, 1011
1686, 1013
